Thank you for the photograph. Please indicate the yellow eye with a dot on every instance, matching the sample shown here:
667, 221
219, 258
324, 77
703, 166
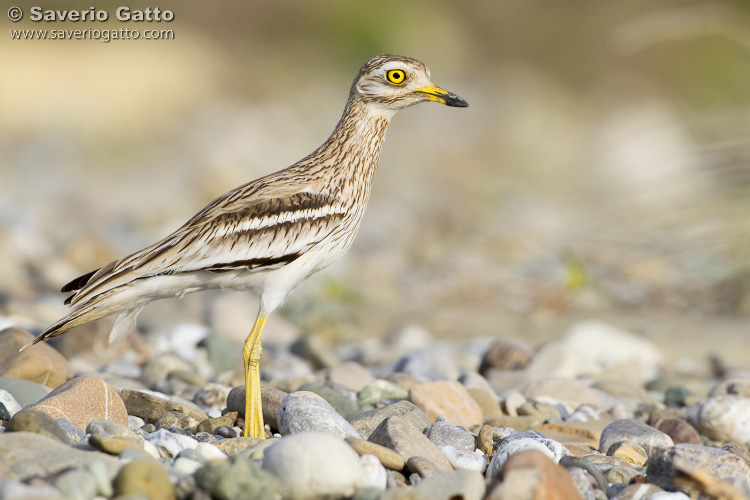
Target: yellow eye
396, 76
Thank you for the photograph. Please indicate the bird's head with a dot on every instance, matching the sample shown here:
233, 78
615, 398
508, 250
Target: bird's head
395, 82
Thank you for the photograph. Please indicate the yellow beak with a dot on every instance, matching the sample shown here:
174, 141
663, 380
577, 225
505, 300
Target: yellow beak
437, 94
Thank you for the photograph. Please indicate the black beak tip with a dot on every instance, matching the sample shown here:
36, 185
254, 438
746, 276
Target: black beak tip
455, 101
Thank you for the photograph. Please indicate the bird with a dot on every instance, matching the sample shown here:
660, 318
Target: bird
268, 235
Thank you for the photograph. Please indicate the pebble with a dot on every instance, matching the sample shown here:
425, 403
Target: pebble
39, 363
571, 392
532, 474
637, 492
37, 423
375, 475
449, 399
443, 433
344, 402
170, 444
398, 434
76, 484
726, 418
459, 484
23, 391
9, 403
307, 412
27, 455
237, 478
351, 375
367, 421
524, 441
633, 431
212, 395
150, 407
428, 365
237, 445
389, 458
738, 386
686, 459
270, 399
505, 355
422, 466
460, 459
145, 479
75, 434
679, 430
225, 431
211, 424
314, 465
381, 390
484, 442
629, 451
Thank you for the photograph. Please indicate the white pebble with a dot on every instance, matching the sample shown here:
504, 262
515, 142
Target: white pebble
726, 418
170, 444
552, 449
375, 474
10, 402
210, 452
186, 466
135, 423
460, 459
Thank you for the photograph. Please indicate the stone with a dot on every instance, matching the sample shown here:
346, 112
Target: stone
726, 418
487, 402
513, 402
532, 475
9, 403
76, 484
351, 375
689, 460
422, 466
314, 465
225, 432
381, 390
524, 441
211, 424
109, 428
466, 460
40, 363
238, 478
505, 355
307, 412
344, 402
631, 452
112, 445
485, 442
633, 431
237, 445
209, 452
737, 386
637, 492
170, 444
428, 365
150, 407
623, 390
144, 478
38, 423
443, 433
398, 434
676, 395
315, 351
212, 395
82, 400
542, 411
388, 458
403, 380
366, 422
23, 391
458, 484
570, 392
449, 399
27, 455
257, 450
621, 474
679, 430
75, 434
375, 475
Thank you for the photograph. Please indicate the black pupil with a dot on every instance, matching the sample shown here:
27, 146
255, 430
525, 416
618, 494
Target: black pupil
397, 75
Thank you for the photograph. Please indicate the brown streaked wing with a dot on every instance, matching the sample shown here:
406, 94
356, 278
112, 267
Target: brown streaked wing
260, 233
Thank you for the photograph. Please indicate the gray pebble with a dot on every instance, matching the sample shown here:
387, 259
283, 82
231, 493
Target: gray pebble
634, 431
308, 412
366, 422
76, 485
443, 433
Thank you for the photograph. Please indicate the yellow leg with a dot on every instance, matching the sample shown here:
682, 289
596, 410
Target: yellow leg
253, 406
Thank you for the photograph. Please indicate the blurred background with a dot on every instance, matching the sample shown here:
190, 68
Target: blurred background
602, 170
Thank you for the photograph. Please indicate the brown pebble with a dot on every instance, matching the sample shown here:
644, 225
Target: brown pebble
421, 466
447, 398
679, 430
211, 424
148, 407
112, 445
552, 481
39, 363
505, 355
234, 446
484, 440
82, 400
389, 458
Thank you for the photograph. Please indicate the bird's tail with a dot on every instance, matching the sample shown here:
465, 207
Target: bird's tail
97, 307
